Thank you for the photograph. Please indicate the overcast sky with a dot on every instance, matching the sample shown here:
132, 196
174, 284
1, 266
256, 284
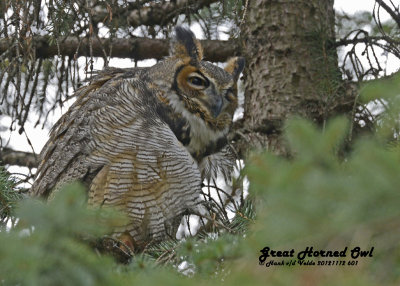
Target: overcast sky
351, 6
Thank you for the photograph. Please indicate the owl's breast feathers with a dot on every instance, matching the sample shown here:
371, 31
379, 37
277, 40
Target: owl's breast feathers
198, 138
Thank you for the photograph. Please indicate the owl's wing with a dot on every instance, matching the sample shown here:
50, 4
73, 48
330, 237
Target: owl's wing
116, 136
63, 158
218, 164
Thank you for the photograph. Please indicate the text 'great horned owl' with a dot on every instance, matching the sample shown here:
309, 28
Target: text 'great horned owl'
143, 139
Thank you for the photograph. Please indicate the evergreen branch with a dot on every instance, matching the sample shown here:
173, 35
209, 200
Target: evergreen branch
8, 196
151, 15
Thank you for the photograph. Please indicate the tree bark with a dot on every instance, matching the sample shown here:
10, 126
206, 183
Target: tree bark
292, 67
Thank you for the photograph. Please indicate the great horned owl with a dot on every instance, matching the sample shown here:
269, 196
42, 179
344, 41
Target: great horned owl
143, 139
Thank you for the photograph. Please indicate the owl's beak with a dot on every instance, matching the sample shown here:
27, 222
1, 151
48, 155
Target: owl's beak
216, 103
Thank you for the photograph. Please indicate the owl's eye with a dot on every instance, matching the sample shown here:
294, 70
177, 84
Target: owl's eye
197, 82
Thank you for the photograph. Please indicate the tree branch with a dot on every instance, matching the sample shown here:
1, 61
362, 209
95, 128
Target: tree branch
366, 39
396, 17
154, 14
134, 48
11, 157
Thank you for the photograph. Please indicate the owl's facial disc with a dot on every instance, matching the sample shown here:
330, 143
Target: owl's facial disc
208, 95
200, 90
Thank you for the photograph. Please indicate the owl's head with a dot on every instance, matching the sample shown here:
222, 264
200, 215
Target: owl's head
203, 90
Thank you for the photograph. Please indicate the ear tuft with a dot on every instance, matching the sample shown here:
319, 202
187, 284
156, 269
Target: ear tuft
235, 66
185, 45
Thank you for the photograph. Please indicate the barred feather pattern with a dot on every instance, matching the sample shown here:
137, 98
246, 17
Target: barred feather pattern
153, 181
143, 139
136, 162
218, 164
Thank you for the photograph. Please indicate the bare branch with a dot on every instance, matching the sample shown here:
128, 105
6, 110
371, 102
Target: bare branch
11, 157
366, 39
134, 48
393, 14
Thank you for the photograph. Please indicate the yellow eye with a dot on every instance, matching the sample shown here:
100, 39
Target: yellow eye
197, 81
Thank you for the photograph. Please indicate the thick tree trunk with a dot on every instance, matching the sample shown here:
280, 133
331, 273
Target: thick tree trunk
292, 66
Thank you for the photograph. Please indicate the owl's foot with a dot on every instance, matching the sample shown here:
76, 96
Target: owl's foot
128, 243
116, 248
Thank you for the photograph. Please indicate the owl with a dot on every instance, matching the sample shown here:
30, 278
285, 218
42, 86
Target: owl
142, 140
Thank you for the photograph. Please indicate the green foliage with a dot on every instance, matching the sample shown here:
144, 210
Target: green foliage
8, 195
229, 13
317, 199
387, 89
207, 258
314, 198
384, 95
345, 23
60, 10
50, 245
46, 247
